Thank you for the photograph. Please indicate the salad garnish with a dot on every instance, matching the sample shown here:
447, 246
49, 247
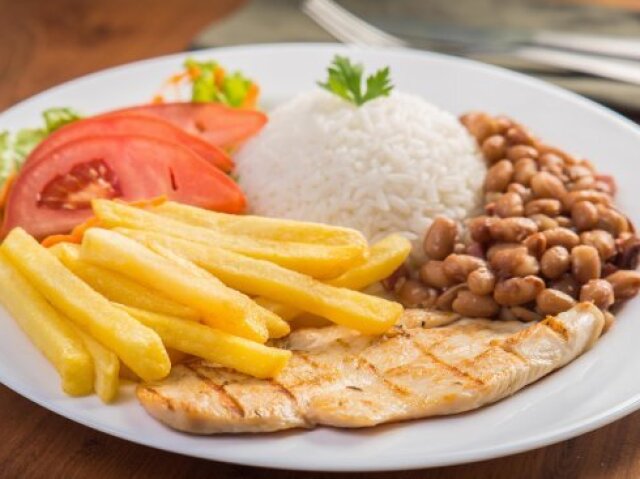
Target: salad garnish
345, 80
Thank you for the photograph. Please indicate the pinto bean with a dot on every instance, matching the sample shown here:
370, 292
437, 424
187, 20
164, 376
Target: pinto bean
545, 185
600, 240
544, 222
629, 252
545, 206
552, 163
536, 244
584, 215
509, 204
432, 274
589, 195
552, 301
524, 169
599, 292
555, 262
474, 306
494, 148
585, 263
479, 228
497, 247
445, 300
481, 281
458, 266
561, 237
514, 153
518, 135
512, 229
520, 190
626, 284
480, 125
412, 293
567, 284
611, 220
517, 291
514, 262
440, 239
499, 176
524, 314
577, 172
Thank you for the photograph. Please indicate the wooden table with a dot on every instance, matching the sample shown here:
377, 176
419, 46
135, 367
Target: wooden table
43, 43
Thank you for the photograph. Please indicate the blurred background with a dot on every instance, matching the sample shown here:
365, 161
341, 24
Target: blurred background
589, 46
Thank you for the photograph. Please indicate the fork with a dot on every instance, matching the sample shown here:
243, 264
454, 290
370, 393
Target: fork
350, 29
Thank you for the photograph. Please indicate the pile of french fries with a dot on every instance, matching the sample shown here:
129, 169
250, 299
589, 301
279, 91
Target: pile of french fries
149, 285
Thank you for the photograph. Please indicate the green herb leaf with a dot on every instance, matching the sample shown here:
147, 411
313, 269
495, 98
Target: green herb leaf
55, 118
345, 80
25, 141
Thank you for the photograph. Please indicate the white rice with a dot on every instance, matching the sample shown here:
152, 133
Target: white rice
388, 166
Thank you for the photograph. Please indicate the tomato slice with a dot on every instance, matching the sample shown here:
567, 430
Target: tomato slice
218, 124
132, 124
53, 195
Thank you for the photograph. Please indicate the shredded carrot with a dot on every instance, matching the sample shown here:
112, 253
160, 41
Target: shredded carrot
6, 187
218, 75
150, 202
74, 237
251, 99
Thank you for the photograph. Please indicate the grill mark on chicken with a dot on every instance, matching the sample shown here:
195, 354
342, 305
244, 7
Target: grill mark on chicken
226, 399
343, 379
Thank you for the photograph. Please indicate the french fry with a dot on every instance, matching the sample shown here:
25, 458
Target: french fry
368, 314
317, 260
106, 367
276, 326
138, 346
117, 287
220, 306
261, 227
47, 329
214, 345
385, 257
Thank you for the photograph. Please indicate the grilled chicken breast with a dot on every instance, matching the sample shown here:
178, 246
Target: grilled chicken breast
340, 378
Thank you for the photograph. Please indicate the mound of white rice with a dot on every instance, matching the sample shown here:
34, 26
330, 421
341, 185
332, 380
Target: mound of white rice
391, 165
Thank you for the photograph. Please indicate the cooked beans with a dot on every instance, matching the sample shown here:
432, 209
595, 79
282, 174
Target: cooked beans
481, 281
585, 263
545, 185
508, 205
561, 237
432, 274
440, 239
536, 244
413, 293
550, 236
522, 151
494, 148
545, 206
517, 291
480, 125
499, 176
523, 170
609, 320
552, 301
458, 266
584, 215
600, 240
445, 300
513, 262
512, 229
599, 292
479, 228
474, 306
555, 262
612, 221
544, 222
626, 284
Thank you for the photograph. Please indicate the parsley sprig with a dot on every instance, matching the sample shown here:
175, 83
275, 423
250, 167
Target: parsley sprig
345, 80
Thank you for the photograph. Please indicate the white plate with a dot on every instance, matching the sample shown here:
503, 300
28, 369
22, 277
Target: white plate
594, 390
